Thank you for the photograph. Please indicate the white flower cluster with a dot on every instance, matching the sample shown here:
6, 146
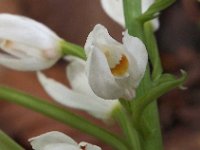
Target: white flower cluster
112, 70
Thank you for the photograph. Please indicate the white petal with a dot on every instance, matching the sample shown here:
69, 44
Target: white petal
95, 106
60, 146
139, 57
50, 138
76, 74
156, 24
99, 37
100, 77
146, 4
114, 10
89, 146
26, 64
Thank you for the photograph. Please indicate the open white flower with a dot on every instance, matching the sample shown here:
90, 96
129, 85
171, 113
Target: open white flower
55, 140
80, 96
114, 70
27, 45
115, 10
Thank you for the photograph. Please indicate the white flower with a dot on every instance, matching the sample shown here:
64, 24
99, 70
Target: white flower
55, 140
28, 45
114, 9
114, 70
80, 96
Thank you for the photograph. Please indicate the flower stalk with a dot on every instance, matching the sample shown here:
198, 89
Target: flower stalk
132, 9
150, 115
72, 49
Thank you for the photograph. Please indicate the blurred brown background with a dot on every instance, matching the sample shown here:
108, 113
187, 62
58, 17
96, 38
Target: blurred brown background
178, 39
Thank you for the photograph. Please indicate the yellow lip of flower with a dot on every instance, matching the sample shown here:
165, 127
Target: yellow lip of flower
117, 61
121, 68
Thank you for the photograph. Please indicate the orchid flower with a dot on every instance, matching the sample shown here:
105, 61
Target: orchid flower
115, 10
55, 140
114, 70
80, 96
27, 45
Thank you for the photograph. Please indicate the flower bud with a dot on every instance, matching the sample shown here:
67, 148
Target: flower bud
27, 45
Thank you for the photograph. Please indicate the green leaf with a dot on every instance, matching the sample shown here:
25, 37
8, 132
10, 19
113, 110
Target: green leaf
164, 84
164, 78
155, 9
6, 143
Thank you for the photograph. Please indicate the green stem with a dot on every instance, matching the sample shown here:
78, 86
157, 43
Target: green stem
68, 48
61, 115
137, 29
132, 9
149, 113
145, 111
153, 51
151, 129
6, 143
130, 132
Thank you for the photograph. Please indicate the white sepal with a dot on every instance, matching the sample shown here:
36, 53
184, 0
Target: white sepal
80, 96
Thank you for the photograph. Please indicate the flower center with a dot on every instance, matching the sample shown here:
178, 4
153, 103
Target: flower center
117, 60
121, 68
